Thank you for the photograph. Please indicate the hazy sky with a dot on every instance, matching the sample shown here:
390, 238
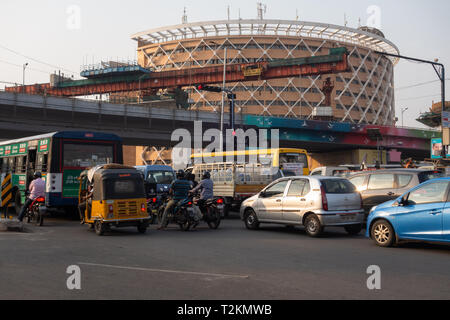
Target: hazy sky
44, 31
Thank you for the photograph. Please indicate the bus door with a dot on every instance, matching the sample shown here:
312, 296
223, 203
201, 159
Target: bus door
31, 165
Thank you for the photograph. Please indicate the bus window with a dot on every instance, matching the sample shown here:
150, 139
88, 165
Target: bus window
21, 164
3, 165
294, 158
12, 164
42, 162
85, 155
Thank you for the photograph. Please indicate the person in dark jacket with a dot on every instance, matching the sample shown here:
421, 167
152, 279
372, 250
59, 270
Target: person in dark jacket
179, 189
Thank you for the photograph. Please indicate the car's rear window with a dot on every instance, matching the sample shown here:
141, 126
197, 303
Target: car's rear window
336, 186
429, 175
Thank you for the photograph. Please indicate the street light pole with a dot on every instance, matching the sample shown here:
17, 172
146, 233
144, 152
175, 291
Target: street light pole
441, 75
23, 76
403, 111
222, 113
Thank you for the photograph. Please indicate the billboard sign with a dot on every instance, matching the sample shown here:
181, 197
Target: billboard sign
436, 148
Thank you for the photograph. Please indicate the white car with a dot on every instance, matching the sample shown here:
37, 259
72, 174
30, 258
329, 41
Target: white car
313, 202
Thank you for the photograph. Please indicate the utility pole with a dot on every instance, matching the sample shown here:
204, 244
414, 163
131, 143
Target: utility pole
441, 74
222, 114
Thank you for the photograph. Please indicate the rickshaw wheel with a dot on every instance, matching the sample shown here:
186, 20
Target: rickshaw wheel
142, 228
99, 227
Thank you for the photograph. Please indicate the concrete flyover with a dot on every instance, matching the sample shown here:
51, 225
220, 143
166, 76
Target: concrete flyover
24, 115
152, 125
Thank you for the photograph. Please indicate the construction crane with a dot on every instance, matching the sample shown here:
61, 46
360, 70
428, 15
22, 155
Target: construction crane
335, 62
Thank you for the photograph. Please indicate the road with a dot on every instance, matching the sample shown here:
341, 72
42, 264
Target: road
230, 263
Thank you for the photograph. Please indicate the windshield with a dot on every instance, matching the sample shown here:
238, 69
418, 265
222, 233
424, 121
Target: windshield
119, 188
87, 155
294, 158
336, 186
429, 175
160, 177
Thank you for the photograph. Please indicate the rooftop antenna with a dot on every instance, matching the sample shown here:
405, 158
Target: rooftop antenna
345, 19
359, 23
262, 9
228, 12
184, 20
296, 15
239, 13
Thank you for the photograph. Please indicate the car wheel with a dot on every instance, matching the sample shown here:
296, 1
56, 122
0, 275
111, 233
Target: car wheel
313, 226
353, 230
251, 220
383, 233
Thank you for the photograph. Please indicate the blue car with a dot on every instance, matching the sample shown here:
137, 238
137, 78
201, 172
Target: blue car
159, 175
421, 214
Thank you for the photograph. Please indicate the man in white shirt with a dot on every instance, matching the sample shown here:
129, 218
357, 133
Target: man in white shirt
37, 189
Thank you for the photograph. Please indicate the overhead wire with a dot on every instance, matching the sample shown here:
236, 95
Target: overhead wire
28, 68
36, 60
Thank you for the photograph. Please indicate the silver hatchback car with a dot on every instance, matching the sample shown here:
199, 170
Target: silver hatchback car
312, 202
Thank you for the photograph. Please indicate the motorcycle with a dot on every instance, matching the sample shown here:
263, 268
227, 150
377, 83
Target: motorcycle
152, 208
182, 214
212, 210
36, 211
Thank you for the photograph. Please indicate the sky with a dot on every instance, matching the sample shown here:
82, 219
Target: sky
65, 34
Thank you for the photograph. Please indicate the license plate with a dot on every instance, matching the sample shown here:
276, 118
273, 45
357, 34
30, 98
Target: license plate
348, 217
220, 207
190, 209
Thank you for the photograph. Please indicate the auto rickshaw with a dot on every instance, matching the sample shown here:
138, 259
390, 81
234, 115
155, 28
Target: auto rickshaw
113, 196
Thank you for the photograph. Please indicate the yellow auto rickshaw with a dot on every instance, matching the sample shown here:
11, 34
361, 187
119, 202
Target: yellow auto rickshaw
113, 196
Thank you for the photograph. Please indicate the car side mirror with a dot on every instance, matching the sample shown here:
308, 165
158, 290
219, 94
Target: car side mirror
404, 200
263, 194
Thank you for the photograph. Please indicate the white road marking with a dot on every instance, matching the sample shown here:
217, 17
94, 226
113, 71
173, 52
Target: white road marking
218, 275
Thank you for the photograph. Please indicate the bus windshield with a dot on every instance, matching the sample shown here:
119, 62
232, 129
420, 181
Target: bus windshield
298, 158
87, 155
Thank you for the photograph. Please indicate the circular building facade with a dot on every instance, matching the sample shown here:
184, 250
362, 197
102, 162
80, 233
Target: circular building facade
363, 95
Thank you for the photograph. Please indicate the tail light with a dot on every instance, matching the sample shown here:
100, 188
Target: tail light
40, 199
111, 208
220, 201
143, 208
155, 200
189, 203
324, 198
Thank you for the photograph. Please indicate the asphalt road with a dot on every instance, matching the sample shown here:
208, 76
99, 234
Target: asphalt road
227, 264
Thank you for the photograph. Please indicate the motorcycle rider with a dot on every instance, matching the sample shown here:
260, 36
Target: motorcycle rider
37, 189
206, 187
179, 189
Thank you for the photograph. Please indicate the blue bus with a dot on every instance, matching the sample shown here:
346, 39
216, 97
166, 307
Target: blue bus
61, 157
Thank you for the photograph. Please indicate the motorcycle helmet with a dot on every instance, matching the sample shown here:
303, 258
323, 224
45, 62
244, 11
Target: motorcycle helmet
37, 175
206, 175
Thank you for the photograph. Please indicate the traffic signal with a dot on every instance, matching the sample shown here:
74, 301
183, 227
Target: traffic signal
202, 87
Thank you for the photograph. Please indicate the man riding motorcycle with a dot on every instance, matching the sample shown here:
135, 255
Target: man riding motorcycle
179, 189
206, 188
37, 190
